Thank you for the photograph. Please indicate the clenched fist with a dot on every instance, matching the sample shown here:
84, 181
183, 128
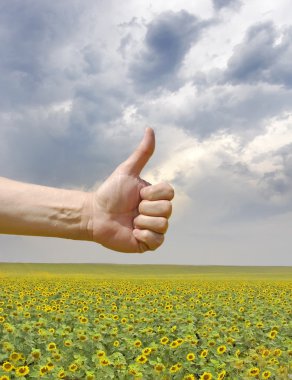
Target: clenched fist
129, 214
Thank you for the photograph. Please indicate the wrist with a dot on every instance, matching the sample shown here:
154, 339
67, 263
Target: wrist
86, 225
98, 224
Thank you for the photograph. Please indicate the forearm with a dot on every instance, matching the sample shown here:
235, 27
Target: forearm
27, 209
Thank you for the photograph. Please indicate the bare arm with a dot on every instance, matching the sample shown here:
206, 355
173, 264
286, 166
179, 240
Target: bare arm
27, 209
125, 214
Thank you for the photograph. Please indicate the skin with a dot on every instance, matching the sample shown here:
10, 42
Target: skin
125, 214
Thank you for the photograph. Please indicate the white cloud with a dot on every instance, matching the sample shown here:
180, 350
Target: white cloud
262, 153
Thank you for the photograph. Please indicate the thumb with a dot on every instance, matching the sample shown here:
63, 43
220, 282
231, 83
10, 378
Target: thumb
139, 158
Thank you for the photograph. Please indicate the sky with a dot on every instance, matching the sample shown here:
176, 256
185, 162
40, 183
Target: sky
80, 81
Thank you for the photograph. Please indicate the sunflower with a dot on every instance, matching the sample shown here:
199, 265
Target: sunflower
50, 365
221, 349
272, 334
73, 367
7, 366
142, 359
175, 368
57, 357
159, 367
82, 337
133, 371
51, 346
265, 353
266, 374
36, 354
147, 351
253, 372
221, 375
15, 356
96, 337
100, 354
174, 344
164, 340
206, 376
22, 371
273, 361
277, 352
191, 356
189, 376
61, 374
203, 354
230, 340
43, 370
104, 362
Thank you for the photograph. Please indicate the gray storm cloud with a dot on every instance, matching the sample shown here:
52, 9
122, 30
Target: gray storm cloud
220, 4
263, 56
168, 38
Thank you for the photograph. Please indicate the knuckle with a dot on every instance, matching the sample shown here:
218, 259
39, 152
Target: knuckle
151, 194
159, 240
147, 192
163, 224
142, 205
167, 189
167, 208
154, 240
170, 192
143, 247
136, 221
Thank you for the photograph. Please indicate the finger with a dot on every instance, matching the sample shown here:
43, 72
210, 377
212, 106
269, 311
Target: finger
157, 192
153, 223
155, 208
148, 240
139, 158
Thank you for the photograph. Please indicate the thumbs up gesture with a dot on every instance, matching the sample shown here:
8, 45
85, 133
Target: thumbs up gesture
128, 213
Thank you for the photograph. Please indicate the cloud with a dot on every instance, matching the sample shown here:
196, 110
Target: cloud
168, 39
69, 144
219, 4
241, 108
263, 56
227, 178
31, 38
61, 91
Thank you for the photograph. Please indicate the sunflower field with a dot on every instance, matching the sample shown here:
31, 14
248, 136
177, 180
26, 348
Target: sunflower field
87, 326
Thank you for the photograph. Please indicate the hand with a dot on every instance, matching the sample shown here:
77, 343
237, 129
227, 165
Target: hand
129, 214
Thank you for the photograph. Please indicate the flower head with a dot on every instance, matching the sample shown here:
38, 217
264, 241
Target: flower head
22, 371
